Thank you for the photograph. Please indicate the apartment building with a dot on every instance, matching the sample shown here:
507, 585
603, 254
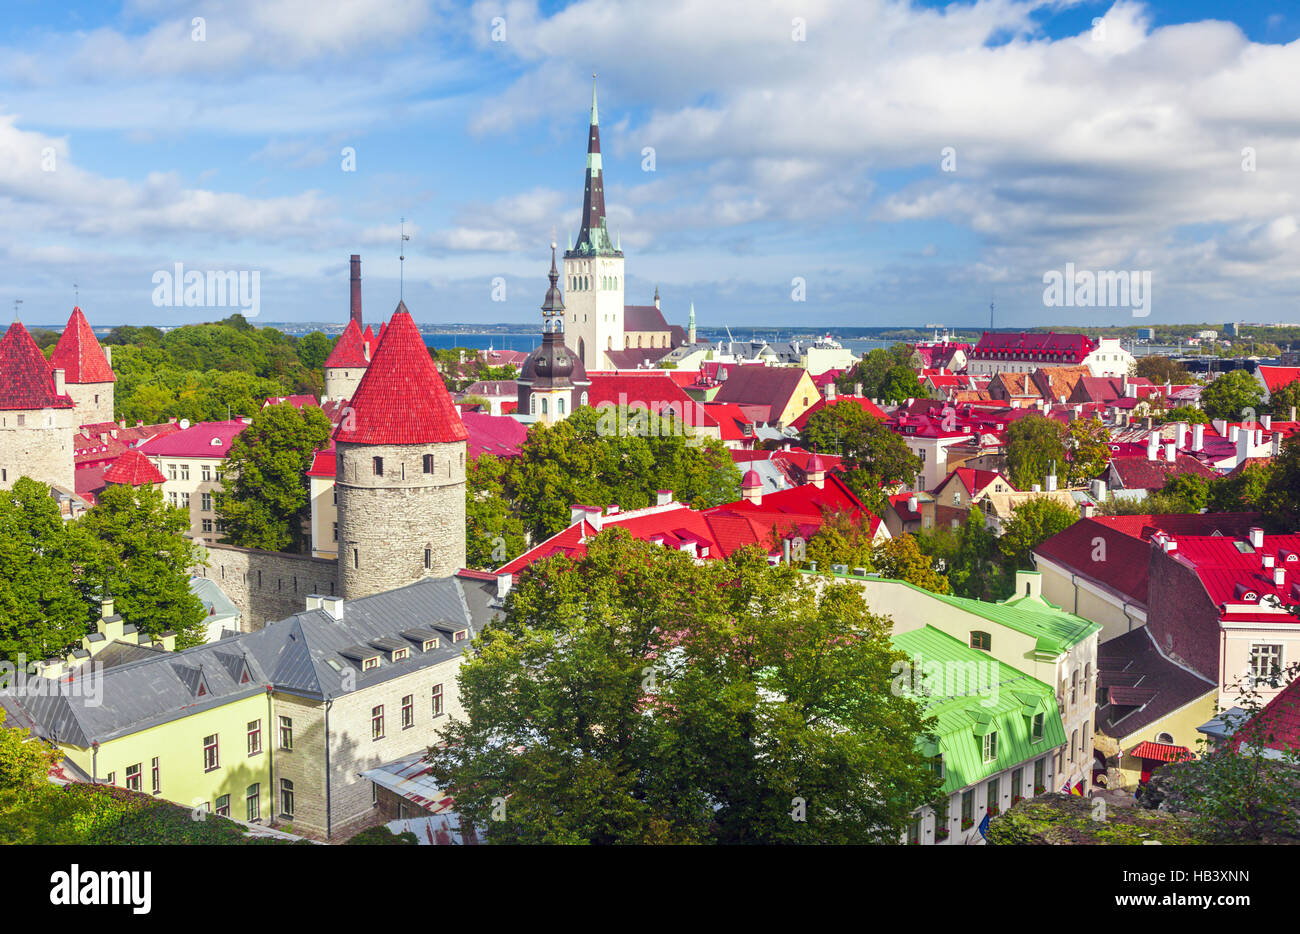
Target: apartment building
193, 463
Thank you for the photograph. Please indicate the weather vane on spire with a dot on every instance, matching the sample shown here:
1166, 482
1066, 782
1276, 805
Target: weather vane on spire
401, 263
17, 302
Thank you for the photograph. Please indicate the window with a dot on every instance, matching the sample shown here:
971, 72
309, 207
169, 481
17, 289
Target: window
967, 809
206, 501
369, 663
356, 558
223, 806
286, 733
428, 463
543, 405
185, 500
207, 525
1265, 662
374, 795
936, 765
171, 471
1165, 738
210, 758
185, 471
981, 640
1074, 686
914, 832
437, 700
286, 798
990, 746
1087, 676
559, 406
157, 782
1074, 742
218, 473
207, 473
428, 559
336, 532
377, 722
111, 778
1036, 730
254, 737
408, 711
1017, 784
401, 654
991, 795
379, 466
133, 777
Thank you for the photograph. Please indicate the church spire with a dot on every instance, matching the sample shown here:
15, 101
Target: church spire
553, 306
593, 238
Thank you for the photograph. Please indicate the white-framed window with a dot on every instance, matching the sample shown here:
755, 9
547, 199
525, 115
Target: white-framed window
211, 757
990, 746
1265, 661
437, 700
223, 806
286, 733
133, 773
156, 776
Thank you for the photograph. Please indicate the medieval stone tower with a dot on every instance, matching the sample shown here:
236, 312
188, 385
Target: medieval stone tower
400, 470
593, 269
86, 371
37, 416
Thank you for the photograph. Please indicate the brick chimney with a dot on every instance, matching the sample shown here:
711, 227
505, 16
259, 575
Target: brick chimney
356, 290
60, 387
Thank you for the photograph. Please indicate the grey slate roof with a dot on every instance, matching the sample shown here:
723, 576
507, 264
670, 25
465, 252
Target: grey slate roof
300, 655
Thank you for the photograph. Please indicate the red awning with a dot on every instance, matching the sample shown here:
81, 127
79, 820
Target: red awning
1161, 752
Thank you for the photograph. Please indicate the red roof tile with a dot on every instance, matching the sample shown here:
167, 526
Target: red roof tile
350, 350
861, 401
324, 464
133, 469
26, 379
79, 355
498, 435
653, 391
1057, 348
1138, 473
1161, 752
402, 399
1275, 377
206, 439
1277, 726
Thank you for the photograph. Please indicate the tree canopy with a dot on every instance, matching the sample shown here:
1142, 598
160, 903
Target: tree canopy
1234, 396
1035, 447
634, 696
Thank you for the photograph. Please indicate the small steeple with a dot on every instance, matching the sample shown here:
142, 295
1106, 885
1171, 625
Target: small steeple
553, 306
656, 296
690, 322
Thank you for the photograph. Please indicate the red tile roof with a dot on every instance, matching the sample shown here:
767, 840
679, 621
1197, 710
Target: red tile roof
1275, 377
771, 386
1056, 348
1161, 752
349, 351
26, 379
324, 463
732, 419
133, 469
861, 401
402, 399
206, 439
1277, 726
1231, 576
498, 435
1138, 473
79, 355
653, 391
298, 402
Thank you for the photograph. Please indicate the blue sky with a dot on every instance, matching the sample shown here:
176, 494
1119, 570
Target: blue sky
126, 146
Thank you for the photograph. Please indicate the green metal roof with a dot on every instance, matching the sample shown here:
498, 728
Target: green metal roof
992, 697
1056, 630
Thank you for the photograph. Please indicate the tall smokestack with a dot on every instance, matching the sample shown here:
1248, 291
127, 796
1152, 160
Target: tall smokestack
356, 290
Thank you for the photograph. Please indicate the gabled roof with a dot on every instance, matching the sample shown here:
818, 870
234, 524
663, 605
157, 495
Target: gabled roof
79, 355
1001, 699
402, 399
350, 350
26, 378
643, 318
1275, 377
1139, 473
762, 385
861, 402
653, 391
133, 469
1142, 685
1277, 726
1063, 348
975, 481
498, 435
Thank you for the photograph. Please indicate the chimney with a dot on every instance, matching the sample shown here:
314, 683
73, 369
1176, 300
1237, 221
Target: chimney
857, 391
594, 517
1029, 584
106, 608
912, 504
1293, 413
503, 585
333, 606
830, 391
785, 551
1051, 483
1277, 444
612, 509
1279, 576
1220, 427
1256, 537
1148, 423
1266, 421
1198, 437
1233, 433
1267, 561
1087, 510
315, 601
577, 513
1153, 446
108, 354
60, 389
1181, 437
356, 290
663, 497
1243, 446
1171, 453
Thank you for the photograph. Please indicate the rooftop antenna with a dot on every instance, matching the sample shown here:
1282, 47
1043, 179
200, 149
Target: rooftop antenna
990, 312
17, 302
401, 263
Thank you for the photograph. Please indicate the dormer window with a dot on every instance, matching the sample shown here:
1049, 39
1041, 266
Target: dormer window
460, 635
369, 663
990, 746
429, 645
1036, 727
981, 640
400, 654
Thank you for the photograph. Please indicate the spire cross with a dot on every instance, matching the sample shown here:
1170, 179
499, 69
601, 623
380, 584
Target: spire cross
401, 263
17, 302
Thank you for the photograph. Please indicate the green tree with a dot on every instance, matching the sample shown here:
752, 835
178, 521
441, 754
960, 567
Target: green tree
1033, 522
25, 763
1282, 401
876, 374
137, 552
267, 502
1234, 396
901, 559
314, 349
42, 612
1185, 413
1161, 370
1087, 444
1243, 491
635, 696
1035, 446
494, 532
971, 558
1186, 492
842, 538
873, 456
1280, 500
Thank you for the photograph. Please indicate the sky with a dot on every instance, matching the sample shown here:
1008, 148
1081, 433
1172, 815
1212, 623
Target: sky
811, 164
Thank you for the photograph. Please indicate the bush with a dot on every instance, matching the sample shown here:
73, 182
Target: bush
382, 836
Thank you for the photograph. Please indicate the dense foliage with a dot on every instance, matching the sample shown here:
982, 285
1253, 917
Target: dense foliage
886, 375
1234, 396
635, 696
875, 458
266, 502
1035, 448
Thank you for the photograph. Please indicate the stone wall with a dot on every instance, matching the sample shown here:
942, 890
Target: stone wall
342, 382
388, 521
40, 448
267, 585
89, 410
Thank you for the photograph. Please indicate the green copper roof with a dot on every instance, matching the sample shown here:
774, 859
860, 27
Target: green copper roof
972, 695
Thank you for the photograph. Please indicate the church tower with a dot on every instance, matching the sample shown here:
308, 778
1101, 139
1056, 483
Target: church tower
553, 381
593, 268
400, 470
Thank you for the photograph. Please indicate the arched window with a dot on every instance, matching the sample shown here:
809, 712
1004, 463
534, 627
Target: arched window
559, 406
532, 405
1165, 738
543, 406
584, 399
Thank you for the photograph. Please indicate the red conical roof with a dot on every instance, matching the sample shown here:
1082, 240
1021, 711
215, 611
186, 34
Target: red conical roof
370, 341
133, 469
401, 399
79, 355
26, 378
348, 351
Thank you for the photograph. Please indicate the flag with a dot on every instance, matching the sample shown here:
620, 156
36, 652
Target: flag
1065, 789
984, 826
1077, 789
